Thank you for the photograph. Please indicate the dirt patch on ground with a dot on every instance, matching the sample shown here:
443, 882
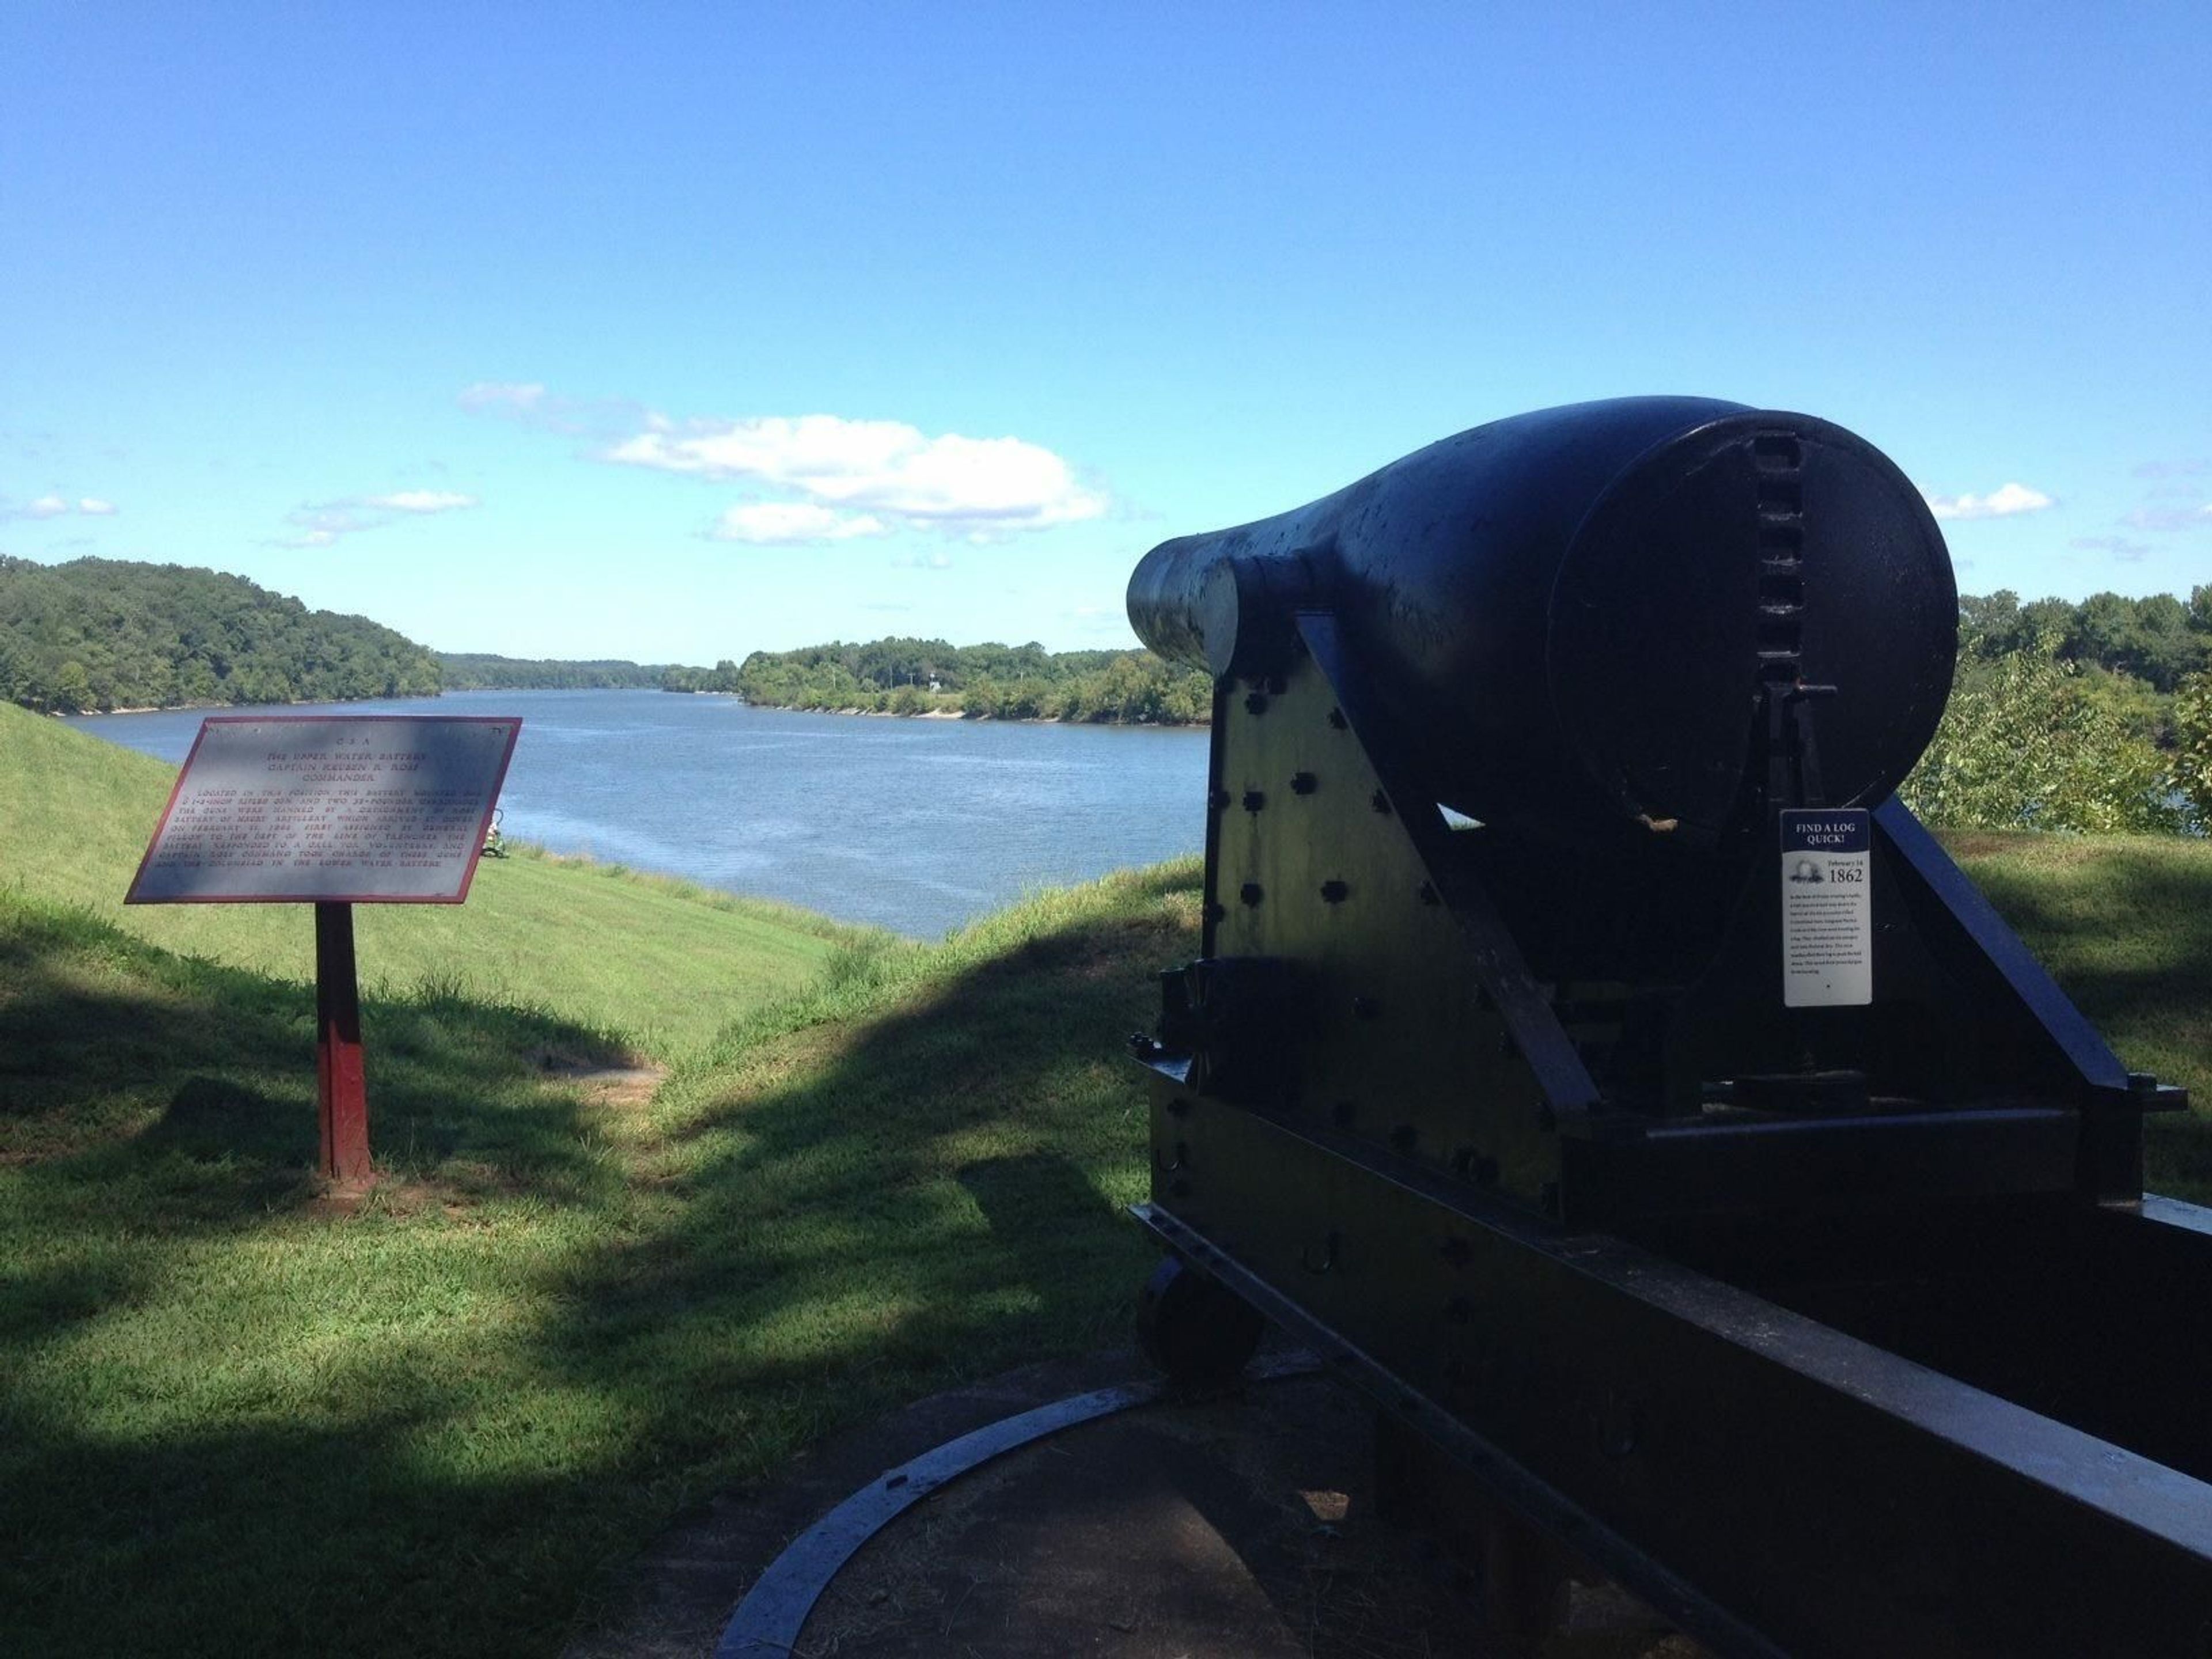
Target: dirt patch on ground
605, 1085
469, 1182
1244, 1526
389, 1194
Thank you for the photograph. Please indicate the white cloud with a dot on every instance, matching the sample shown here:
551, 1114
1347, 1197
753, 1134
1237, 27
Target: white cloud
503, 397
529, 404
321, 523
2003, 502
2119, 546
2168, 518
923, 561
420, 500
325, 522
885, 475
51, 505
949, 482
792, 524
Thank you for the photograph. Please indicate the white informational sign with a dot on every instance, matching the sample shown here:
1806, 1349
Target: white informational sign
357, 809
1827, 909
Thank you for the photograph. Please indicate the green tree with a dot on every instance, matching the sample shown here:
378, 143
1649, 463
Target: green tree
1988, 627
156, 635
2044, 626
2026, 746
2148, 638
72, 688
2192, 746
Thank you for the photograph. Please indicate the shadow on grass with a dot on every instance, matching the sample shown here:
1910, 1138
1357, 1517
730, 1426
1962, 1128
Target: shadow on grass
189, 1088
927, 1195
247, 1540
2129, 924
2127, 934
180, 1479
979, 1137
926, 1198
37, 1303
861, 1215
937, 1193
845, 1220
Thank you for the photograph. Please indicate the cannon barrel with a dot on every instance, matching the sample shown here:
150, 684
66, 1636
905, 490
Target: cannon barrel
1581, 612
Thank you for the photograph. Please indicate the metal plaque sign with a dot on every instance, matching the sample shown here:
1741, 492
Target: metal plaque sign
1827, 915
345, 808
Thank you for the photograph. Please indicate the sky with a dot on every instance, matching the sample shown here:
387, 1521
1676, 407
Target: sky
674, 331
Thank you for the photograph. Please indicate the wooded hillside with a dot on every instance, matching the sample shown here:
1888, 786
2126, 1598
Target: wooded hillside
100, 634
474, 670
2094, 717
2125, 658
992, 681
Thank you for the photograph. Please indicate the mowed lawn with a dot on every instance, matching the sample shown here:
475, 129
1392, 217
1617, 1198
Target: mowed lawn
660, 965
2125, 924
238, 1417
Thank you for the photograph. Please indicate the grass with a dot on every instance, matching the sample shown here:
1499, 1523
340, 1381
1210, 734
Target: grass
660, 965
2125, 924
238, 1417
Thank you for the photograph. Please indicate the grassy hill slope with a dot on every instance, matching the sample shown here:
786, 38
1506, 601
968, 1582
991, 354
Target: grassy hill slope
662, 965
120, 634
425, 1425
2124, 925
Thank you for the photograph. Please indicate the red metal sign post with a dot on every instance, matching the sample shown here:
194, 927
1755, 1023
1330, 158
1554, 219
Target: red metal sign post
341, 1085
332, 811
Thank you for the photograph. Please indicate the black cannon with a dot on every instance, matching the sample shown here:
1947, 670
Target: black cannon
1591, 1058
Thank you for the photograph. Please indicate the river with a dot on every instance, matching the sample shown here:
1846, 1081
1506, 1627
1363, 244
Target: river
916, 825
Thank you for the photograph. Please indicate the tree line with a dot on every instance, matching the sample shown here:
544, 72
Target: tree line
988, 681
2093, 717
2160, 641
98, 634
480, 671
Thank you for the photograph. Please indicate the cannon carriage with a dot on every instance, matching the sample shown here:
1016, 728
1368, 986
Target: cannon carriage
1591, 1059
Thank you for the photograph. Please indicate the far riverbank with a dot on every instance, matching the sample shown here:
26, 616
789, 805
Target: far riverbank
945, 712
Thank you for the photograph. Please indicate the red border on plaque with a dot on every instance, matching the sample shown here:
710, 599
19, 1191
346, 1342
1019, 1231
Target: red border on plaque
475, 847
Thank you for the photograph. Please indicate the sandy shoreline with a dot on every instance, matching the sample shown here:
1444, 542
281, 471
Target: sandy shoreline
958, 714
869, 714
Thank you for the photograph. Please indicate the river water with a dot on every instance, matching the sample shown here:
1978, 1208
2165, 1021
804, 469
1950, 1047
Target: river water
916, 825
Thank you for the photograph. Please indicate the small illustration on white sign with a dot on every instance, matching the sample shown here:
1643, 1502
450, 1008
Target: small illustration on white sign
1827, 909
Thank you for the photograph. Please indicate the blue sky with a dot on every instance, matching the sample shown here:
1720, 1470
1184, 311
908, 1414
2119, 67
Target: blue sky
673, 331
